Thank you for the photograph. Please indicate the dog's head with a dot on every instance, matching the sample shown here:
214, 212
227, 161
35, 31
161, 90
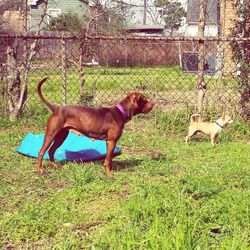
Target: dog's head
224, 120
136, 103
140, 103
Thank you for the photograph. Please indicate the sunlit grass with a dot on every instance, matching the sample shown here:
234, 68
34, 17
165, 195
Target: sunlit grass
163, 194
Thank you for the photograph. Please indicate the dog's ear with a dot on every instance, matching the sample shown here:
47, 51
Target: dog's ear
223, 115
134, 97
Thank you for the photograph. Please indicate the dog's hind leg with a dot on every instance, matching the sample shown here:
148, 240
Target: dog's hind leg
58, 141
54, 125
186, 139
47, 142
191, 132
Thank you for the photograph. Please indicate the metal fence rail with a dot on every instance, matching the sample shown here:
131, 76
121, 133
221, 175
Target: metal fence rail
103, 70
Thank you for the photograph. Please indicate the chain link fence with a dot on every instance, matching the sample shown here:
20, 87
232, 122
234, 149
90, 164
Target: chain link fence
100, 71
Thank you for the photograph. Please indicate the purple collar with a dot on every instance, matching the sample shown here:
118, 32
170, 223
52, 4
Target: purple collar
121, 109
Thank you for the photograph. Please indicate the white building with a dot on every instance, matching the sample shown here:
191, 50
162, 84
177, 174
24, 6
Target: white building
190, 26
142, 14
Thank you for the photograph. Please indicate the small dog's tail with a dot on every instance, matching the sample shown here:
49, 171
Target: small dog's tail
51, 106
192, 117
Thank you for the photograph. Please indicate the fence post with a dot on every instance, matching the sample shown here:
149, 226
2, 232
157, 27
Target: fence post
125, 53
201, 83
180, 55
64, 73
82, 75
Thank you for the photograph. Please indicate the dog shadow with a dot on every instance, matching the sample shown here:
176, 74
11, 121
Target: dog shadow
199, 139
203, 139
117, 165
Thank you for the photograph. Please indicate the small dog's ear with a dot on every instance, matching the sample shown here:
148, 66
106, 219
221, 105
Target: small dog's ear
223, 115
155, 97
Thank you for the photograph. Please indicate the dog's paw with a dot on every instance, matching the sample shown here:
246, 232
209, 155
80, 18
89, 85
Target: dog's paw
42, 171
54, 165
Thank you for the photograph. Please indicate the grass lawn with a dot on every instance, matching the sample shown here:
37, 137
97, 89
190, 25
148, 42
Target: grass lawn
163, 194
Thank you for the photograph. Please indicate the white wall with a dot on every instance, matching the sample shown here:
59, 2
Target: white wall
192, 29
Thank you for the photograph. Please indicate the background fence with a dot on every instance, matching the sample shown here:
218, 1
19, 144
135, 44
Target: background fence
105, 69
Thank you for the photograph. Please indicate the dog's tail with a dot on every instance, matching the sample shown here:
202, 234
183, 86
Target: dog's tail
51, 106
192, 117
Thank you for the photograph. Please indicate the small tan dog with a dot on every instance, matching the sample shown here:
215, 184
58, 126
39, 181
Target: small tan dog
208, 128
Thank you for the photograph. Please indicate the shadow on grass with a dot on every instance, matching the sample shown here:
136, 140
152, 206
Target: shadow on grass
117, 165
126, 164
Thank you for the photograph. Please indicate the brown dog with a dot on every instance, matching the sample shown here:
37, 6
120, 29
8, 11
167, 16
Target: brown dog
98, 123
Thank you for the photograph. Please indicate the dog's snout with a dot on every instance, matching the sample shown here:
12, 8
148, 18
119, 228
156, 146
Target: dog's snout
151, 103
148, 106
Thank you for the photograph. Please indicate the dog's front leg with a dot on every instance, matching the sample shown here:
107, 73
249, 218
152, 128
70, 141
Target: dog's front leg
213, 138
108, 159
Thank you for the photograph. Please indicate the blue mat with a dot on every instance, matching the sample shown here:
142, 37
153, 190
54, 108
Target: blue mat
74, 148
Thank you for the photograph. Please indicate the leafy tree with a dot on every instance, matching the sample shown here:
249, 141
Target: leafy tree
107, 18
172, 13
79, 26
241, 53
17, 79
102, 18
118, 17
68, 22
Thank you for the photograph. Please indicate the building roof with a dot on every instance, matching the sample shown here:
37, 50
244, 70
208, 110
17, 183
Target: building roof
35, 2
159, 27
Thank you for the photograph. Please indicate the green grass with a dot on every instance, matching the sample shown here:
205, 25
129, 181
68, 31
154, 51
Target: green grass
106, 78
163, 194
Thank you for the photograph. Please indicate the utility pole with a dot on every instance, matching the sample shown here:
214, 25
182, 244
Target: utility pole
145, 12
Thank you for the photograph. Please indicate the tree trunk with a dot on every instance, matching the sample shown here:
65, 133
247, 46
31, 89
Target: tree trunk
245, 68
14, 92
220, 49
201, 86
245, 91
17, 92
